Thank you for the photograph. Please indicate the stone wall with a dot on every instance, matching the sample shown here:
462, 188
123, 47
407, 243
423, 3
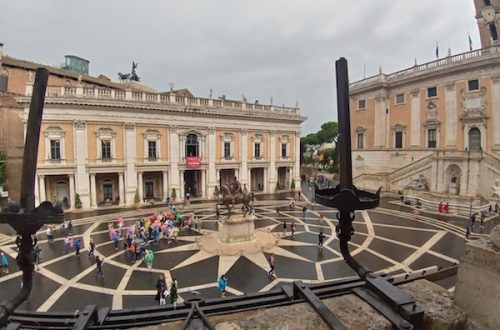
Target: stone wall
477, 286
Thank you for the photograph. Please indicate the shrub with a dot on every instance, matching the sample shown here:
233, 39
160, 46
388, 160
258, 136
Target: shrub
136, 197
216, 191
174, 194
292, 185
78, 202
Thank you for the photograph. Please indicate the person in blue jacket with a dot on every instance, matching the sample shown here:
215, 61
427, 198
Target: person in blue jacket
222, 285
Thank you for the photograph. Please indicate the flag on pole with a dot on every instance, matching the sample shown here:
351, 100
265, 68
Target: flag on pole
470, 41
437, 50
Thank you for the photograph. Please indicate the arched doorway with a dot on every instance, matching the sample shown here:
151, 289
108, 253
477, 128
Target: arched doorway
474, 139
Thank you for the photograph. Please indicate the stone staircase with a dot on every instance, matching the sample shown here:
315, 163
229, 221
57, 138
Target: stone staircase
389, 181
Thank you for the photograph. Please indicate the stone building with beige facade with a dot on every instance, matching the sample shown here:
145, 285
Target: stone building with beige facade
437, 121
108, 141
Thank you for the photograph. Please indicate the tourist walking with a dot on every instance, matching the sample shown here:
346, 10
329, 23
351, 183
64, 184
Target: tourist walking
222, 285
284, 228
272, 261
292, 228
467, 232
490, 209
91, 249
4, 263
173, 293
37, 256
149, 258
66, 244
473, 221
483, 216
161, 286
98, 264
115, 238
321, 239
70, 228
304, 210
50, 234
76, 246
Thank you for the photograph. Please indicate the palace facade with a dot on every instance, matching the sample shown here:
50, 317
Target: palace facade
110, 143
439, 121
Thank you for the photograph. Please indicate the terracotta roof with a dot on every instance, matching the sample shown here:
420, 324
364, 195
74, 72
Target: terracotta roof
14, 62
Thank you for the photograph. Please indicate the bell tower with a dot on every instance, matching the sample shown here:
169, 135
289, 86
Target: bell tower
488, 21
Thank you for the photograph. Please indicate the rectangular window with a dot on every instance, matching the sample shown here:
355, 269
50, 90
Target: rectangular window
400, 98
152, 149
473, 85
283, 150
106, 149
360, 140
361, 104
227, 150
431, 138
257, 150
432, 92
55, 149
398, 140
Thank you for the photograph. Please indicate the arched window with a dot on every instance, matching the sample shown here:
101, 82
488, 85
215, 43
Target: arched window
474, 139
192, 146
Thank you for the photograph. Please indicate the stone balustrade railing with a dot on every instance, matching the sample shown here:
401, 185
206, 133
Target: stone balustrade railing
473, 55
127, 95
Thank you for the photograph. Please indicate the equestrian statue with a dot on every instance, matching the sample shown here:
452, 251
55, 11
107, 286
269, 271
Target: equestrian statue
232, 195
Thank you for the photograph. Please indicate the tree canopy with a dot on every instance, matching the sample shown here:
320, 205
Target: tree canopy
327, 133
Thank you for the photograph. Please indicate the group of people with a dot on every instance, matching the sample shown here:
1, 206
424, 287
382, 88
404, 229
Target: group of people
444, 207
164, 293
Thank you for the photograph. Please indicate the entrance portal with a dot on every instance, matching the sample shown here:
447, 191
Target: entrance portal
257, 179
192, 183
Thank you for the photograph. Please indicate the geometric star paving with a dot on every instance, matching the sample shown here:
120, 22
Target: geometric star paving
384, 241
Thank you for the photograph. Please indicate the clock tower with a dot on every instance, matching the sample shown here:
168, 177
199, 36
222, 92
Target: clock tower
488, 21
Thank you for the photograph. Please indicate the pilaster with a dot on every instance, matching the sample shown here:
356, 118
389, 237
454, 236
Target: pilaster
80, 150
130, 159
451, 115
415, 125
244, 178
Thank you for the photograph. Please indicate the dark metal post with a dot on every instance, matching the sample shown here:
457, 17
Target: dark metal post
28, 219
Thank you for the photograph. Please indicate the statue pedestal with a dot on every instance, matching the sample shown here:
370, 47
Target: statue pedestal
237, 229
453, 190
237, 236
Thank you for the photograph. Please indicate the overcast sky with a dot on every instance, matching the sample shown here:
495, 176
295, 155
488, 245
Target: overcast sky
282, 49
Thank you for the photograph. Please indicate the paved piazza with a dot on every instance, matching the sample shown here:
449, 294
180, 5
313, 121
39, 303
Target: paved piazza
385, 241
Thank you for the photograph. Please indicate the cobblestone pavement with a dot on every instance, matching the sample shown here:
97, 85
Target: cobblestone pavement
389, 241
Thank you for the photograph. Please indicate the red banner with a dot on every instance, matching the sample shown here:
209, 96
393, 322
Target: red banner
193, 162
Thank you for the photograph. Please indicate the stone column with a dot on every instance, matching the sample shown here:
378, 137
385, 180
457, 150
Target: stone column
130, 160
174, 158
93, 191
181, 184
81, 175
140, 185
244, 179
43, 191
213, 176
218, 177
380, 122
203, 184
272, 162
37, 192
266, 180
71, 181
296, 170
165, 185
415, 118
495, 101
121, 189
451, 115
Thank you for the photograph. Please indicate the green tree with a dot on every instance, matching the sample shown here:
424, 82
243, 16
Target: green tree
292, 185
311, 139
328, 132
174, 194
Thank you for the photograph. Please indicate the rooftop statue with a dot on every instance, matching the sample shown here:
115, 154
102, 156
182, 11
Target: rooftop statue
130, 76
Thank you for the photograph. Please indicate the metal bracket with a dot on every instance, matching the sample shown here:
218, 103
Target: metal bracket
301, 290
195, 309
86, 318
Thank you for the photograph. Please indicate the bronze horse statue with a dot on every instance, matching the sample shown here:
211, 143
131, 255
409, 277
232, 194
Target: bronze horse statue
230, 199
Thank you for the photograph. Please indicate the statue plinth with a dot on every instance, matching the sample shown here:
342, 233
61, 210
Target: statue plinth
237, 229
